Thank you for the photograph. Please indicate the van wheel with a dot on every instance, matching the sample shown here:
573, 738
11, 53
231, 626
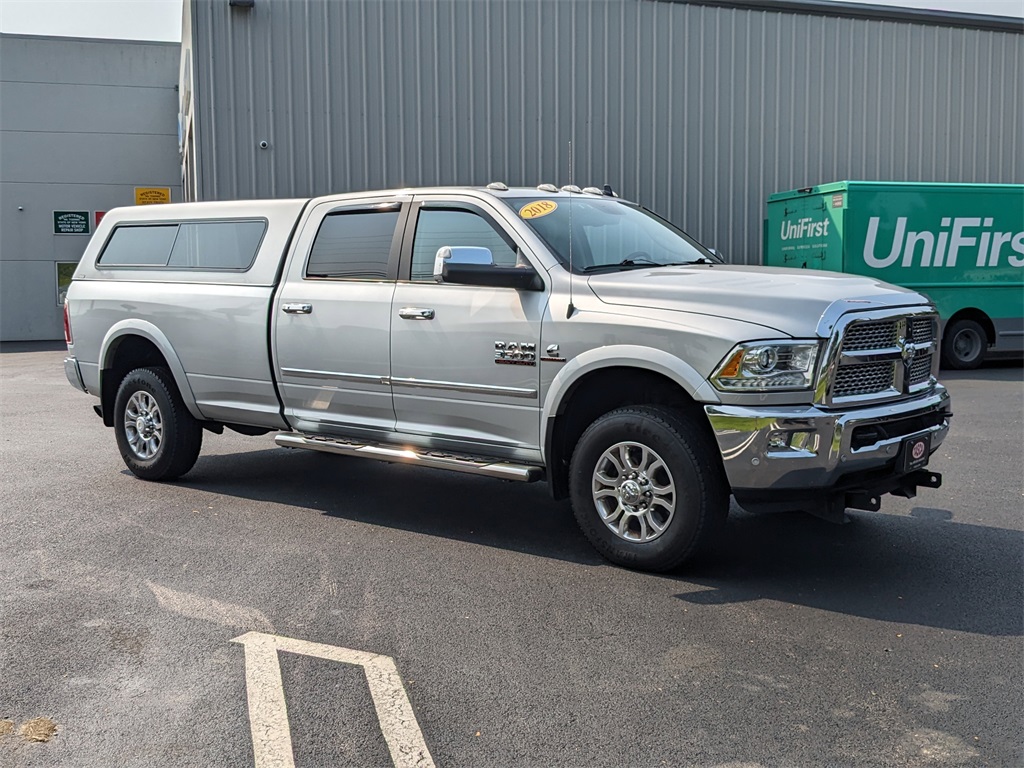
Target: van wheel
963, 345
158, 438
646, 486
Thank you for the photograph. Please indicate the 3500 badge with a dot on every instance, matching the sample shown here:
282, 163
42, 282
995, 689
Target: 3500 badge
515, 353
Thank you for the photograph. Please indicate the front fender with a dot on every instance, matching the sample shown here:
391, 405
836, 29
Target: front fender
623, 356
151, 333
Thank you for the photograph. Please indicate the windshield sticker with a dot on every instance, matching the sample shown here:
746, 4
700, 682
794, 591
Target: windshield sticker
537, 208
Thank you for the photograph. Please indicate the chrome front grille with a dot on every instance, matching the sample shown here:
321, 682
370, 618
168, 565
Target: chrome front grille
921, 330
921, 369
883, 358
867, 379
876, 334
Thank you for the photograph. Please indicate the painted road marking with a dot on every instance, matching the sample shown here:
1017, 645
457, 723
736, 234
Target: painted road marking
268, 712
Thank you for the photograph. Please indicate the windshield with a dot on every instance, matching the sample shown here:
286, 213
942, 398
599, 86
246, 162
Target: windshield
607, 234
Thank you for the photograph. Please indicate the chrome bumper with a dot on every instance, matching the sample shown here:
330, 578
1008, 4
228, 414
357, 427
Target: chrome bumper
74, 373
805, 447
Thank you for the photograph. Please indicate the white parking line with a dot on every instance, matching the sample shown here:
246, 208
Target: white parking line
268, 713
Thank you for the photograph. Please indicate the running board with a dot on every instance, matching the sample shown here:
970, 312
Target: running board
473, 465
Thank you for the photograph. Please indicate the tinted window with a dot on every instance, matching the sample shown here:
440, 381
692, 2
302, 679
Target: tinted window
191, 245
353, 245
437, 228
139, 246
217, 245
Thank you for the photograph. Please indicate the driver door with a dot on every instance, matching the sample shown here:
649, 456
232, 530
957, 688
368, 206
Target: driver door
452, 383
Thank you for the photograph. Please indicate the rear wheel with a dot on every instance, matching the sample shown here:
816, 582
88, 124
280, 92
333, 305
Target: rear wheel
646, 487
158, 438
964, 344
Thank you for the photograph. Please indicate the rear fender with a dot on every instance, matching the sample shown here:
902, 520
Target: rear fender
151, 333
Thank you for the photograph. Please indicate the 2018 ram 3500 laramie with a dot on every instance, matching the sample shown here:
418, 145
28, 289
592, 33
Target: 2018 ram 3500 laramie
523, 334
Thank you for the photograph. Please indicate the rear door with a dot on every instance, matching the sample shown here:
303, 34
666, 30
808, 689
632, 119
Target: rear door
806, 232
332, 319
464, 359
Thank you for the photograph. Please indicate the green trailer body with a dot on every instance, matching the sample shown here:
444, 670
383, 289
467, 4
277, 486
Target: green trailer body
962, 245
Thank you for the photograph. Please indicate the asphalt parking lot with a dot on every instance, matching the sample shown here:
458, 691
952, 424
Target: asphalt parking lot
387, 615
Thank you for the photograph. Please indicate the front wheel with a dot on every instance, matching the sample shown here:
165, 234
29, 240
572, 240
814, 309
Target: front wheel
158, 438
963, 345
647, 488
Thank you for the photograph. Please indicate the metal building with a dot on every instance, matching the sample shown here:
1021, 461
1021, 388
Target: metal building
697, 109
83, 124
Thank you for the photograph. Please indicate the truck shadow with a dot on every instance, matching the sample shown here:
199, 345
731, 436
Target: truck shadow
507, 515
924, 569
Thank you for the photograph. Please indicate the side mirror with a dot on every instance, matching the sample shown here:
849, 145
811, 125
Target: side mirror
467, 265
459, 255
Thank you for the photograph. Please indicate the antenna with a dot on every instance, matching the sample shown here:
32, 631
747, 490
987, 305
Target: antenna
571, 309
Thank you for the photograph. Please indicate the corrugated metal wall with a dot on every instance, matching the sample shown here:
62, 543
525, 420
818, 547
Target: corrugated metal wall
698, 112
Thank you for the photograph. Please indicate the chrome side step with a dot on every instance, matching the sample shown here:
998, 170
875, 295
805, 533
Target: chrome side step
473, 465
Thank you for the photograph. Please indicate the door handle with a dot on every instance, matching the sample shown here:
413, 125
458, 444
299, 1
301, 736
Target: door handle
415, 313
297, 309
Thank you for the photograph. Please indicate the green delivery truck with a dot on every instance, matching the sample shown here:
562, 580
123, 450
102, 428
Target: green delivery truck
962, 245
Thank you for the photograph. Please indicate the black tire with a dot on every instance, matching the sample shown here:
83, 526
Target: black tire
963, 345
689, 464
157, 436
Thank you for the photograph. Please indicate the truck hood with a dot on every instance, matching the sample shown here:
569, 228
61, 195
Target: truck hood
791, 301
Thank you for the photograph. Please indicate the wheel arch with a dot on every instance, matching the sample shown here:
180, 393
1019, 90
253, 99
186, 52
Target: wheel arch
134, 344
977, 315
602, 380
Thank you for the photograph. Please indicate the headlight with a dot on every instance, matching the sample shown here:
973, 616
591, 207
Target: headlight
768, 366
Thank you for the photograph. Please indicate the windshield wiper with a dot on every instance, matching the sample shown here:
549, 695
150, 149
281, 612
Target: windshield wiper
639, 262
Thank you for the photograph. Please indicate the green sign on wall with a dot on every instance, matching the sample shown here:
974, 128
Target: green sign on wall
71, 222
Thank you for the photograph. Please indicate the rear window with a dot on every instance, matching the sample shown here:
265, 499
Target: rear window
353, 245
139, 246
200, 245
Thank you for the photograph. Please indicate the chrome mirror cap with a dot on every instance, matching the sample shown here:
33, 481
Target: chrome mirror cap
460, 254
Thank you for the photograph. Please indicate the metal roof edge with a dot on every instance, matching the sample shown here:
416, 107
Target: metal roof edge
870, 12
72, 39
851, 185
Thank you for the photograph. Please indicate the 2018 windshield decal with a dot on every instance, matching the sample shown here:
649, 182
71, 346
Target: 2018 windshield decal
537, 208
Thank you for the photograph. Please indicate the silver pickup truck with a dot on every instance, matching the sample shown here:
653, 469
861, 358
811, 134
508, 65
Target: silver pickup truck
523, 334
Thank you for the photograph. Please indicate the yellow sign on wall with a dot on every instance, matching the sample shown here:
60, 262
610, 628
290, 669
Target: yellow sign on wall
152, 195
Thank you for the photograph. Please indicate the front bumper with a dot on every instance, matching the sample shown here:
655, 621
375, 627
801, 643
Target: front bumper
768, 452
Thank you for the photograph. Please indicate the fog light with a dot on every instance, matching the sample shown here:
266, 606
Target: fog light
803, 441
781, 441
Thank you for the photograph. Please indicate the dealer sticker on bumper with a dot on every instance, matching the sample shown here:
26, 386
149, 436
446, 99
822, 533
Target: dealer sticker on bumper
915, 453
